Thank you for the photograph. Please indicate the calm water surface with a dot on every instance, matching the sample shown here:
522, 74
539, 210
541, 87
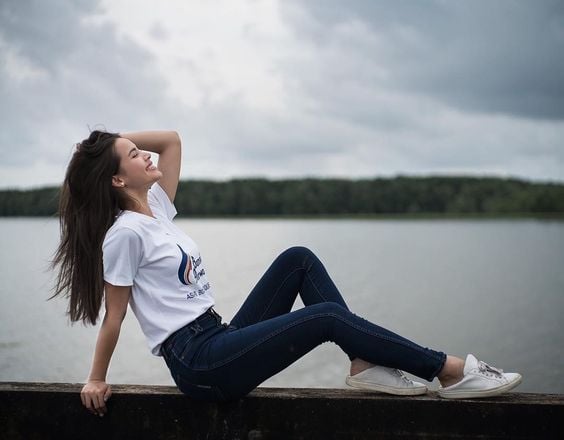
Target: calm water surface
491, 287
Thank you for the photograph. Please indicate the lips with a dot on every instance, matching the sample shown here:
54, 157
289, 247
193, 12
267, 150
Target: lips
150, 167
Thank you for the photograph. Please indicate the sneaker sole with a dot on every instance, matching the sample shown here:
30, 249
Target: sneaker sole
350, 381
474, 394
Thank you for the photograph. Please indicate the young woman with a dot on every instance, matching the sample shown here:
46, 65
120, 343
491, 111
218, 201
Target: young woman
118, 243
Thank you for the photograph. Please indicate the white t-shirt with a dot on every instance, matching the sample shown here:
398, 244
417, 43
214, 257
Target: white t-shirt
164, 266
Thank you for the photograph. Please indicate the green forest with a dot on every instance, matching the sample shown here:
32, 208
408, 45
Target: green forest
255, 197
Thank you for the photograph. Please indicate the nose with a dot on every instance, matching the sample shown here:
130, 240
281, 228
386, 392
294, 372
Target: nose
147, 155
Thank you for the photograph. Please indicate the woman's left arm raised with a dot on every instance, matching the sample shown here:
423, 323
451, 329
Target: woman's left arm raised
167, 145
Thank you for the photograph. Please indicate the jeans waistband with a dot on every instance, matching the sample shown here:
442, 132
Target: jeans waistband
205, 319
209, 319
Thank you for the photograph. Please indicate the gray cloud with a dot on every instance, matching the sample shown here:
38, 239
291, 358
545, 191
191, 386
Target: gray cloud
44, 31
494, 57
85, 75
369, 88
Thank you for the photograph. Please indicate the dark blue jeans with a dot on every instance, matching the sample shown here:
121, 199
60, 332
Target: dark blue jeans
210, 360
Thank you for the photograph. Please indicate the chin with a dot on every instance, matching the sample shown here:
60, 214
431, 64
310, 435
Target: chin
156, 175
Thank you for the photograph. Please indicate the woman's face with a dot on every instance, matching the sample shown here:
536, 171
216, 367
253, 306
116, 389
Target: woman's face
136, 170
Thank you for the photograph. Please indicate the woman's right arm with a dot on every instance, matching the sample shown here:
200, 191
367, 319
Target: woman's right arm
96, 392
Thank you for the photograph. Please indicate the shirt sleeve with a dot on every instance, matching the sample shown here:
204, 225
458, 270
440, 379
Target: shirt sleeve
158, 199
122, 252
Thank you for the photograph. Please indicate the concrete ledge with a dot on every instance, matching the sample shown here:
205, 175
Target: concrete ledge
54, 410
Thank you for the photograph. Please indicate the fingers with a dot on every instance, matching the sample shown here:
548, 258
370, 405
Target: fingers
108, 394
95, 400
87, 402
100, 405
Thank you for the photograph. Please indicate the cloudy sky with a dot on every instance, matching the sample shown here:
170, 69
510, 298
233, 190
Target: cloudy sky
287, 88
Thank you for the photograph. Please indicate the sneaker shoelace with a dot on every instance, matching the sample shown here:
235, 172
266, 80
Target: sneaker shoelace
489, 370
402, 375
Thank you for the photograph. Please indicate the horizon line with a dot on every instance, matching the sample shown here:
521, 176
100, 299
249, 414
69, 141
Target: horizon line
330, 177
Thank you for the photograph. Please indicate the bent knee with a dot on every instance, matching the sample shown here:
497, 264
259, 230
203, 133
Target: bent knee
297, 252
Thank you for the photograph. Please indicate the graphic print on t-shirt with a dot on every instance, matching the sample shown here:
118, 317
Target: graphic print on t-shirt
185, 267
189, 265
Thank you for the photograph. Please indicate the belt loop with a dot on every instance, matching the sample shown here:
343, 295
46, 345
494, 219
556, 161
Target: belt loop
216, 315
197, 328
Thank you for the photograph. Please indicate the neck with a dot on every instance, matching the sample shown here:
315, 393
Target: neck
137, 201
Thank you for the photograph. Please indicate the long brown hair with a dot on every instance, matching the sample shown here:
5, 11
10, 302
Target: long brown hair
88, 206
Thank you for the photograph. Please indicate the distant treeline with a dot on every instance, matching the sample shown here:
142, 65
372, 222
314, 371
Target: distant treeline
297, 197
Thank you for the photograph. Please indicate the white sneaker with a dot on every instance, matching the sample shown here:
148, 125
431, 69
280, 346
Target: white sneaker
480, 380
386, 380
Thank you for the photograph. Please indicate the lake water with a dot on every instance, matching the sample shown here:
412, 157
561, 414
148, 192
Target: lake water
491, 287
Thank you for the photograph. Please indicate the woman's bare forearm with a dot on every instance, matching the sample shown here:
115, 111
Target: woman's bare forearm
157, 141
105, 344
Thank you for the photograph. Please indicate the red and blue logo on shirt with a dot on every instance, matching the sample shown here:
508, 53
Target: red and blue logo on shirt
185, 267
